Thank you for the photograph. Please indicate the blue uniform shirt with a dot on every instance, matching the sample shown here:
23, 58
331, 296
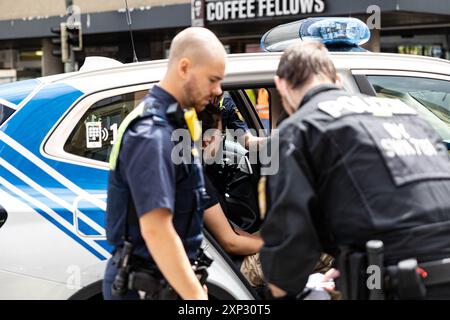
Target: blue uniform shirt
146, 173
231, 118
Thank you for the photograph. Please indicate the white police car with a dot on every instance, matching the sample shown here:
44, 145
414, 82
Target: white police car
56, 134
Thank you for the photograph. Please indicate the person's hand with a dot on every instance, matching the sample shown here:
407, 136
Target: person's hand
328, 280
329, 284
277, 292
326, 283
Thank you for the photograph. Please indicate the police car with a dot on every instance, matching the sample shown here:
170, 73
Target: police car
56, 134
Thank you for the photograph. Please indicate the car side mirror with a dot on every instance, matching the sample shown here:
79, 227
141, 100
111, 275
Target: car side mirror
3, 216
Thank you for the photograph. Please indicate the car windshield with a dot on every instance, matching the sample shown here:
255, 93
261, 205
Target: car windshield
430, 98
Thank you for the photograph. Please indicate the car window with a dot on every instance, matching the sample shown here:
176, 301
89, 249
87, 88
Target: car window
430, 97
5, 113
95, 133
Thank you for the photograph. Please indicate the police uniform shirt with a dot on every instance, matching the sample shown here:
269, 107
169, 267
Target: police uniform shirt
146, 172
231, 117
349, 172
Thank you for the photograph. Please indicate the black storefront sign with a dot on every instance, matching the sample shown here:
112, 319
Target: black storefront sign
230, 10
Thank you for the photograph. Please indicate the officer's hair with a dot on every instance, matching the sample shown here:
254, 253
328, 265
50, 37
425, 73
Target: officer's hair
302, 60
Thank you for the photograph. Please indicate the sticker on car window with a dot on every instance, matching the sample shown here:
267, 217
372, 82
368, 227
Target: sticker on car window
94, 134
410, 149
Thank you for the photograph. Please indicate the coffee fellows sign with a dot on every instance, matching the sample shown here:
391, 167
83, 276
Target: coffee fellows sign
228, 10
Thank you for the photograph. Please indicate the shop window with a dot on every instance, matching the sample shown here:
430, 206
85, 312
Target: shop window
423, 50
253, 47
29, 64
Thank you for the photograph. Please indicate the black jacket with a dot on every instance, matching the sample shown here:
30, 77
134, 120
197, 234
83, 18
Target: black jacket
350, 172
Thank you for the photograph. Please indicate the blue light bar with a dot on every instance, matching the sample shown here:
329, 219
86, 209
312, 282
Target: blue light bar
349, 32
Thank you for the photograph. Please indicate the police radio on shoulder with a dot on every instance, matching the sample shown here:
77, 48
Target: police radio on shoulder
337, 32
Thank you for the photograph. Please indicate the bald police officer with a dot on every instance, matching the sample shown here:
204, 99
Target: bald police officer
353, 169
154, 207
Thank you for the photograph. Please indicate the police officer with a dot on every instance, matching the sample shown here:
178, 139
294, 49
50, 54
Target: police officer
352, 169
231, 116
232, 120
154, 207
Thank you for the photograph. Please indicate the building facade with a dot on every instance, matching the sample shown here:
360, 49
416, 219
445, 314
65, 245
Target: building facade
404, 26
25, 31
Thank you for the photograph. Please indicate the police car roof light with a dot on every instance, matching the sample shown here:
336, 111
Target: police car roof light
349, 32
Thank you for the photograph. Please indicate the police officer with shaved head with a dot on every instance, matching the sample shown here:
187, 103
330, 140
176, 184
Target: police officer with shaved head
361, 178
155, 203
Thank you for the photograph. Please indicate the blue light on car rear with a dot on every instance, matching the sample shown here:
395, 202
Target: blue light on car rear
349, 32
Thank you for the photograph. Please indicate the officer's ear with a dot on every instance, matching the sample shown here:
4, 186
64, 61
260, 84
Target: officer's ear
183, 67
281, 85
339, 80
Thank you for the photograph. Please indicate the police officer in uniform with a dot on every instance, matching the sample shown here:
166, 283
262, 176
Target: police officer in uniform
354, 169
232, 119
155, 205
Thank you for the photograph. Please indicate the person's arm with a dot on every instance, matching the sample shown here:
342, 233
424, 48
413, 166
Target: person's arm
291, 244
217, 223
241, 232
253, 142
166, 247
276, 292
